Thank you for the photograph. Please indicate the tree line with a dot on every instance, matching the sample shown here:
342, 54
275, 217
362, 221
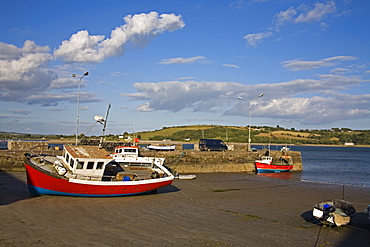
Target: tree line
259, 134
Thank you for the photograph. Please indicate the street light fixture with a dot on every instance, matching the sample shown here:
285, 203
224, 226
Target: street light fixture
250, 120
78, 102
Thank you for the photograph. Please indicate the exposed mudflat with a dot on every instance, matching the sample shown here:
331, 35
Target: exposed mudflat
215, 209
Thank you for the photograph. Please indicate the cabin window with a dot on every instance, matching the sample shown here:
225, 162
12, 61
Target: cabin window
67, 158
100, 165
130, 150
90, 165
80, 165
71, 162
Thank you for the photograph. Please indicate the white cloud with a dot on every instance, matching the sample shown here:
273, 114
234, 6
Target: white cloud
186, 78
306, 14
317, 13
177, 95
19, 64
182, 60
298, 65
9, 51
254, 38
285, 16
231, 66
52, 99
339, 71
22, 70
64, 82
317, 110
20, 112
139, 29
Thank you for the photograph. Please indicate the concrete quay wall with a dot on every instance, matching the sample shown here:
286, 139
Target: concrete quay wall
228, 161
27, 145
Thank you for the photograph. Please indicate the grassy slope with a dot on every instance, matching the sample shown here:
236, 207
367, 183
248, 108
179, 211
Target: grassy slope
170, 130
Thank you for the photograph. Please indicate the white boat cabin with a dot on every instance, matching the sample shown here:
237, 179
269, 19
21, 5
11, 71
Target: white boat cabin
88, 161
128, 156
266, 160
126, 151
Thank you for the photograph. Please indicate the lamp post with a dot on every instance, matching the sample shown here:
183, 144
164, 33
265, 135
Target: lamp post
250, 120
78, 102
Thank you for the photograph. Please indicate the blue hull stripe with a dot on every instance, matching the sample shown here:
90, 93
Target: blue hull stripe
37, 191
271, 170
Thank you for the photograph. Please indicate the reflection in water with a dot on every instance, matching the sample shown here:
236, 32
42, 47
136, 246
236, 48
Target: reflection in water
281, 175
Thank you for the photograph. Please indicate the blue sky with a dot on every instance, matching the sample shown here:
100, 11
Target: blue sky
170, 63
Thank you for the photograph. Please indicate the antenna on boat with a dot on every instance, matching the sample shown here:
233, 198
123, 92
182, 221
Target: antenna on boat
104, 122
78, 102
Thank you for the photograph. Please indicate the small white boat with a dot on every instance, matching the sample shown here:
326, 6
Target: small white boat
186, 177
162, 148
334, 213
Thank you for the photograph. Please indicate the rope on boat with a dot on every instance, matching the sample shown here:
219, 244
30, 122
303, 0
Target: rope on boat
87, 131
318, 236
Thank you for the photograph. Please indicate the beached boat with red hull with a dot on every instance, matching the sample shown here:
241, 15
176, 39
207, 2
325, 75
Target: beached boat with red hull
90, 171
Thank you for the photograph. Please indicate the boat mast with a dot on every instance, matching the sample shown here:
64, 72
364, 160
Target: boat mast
104, 125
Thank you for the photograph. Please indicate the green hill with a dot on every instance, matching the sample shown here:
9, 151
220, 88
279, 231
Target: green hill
238, 134
263, 134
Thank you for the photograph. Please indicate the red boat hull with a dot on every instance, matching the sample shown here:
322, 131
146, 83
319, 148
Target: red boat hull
43, 183
263, 167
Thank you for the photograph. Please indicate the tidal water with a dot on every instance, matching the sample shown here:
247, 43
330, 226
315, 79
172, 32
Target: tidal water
333, 165
339, 165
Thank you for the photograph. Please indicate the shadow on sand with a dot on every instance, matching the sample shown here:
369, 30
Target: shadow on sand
13, 187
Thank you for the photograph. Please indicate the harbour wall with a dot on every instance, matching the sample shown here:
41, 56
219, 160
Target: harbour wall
229, 161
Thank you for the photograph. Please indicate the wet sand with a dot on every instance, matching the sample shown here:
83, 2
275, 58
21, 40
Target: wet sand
216, 209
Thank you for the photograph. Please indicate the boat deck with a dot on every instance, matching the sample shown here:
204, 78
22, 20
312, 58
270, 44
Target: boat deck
45, 163
135, 173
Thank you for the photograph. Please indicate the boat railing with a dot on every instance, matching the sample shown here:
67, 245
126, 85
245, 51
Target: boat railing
92, 177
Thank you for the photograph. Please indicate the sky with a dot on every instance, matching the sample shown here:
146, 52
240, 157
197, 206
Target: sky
173, 63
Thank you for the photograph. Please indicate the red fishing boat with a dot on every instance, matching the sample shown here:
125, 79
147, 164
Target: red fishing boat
268, 164
90, 171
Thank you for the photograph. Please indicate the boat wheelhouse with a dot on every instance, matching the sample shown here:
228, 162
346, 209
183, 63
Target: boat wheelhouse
128, 156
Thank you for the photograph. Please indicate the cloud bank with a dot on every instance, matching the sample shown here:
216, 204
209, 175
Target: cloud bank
26, 74
282, 100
